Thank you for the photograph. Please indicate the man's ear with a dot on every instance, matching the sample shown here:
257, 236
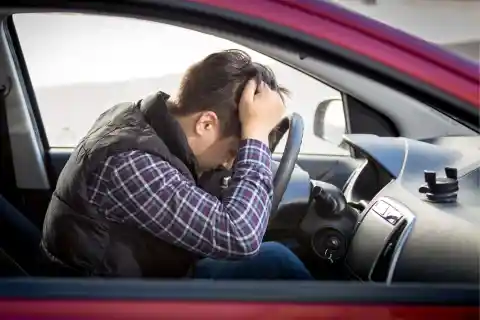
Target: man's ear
207, 122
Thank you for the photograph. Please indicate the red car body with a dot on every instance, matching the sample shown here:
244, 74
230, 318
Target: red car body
177, 310
365, 38
368, 38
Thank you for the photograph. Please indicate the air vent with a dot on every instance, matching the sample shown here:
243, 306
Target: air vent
379, 272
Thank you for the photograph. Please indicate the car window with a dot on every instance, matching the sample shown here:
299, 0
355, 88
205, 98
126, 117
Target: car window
80, 65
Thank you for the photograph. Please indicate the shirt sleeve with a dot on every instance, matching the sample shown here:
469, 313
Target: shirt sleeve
143, 189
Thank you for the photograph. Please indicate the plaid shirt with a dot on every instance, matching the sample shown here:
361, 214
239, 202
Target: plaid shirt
143, 190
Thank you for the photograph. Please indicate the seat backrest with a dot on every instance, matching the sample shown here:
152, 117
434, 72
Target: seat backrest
19, 237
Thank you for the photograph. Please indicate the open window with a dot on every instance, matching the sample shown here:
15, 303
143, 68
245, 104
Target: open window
87, 63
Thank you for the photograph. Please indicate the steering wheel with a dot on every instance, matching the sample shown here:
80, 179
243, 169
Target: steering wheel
294, 124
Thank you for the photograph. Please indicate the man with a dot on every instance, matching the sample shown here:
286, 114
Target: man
127, 202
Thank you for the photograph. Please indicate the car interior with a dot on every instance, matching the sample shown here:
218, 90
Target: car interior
400, 205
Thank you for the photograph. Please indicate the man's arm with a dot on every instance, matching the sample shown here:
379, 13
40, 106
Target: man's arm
147, 191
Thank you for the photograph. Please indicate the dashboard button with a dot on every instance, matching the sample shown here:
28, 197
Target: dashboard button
381, 208
392, 216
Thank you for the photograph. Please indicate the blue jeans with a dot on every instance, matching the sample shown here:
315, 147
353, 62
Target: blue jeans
274, 261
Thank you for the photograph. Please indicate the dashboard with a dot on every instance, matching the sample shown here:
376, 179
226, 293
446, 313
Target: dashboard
404, 234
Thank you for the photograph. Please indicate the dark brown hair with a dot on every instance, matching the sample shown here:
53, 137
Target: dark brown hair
216, 84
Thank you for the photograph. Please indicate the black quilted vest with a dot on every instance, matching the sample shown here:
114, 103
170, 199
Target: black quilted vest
77, 235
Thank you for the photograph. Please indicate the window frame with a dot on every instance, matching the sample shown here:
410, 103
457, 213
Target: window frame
287, 45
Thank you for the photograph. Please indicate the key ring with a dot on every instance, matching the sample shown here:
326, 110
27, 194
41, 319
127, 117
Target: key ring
328, 256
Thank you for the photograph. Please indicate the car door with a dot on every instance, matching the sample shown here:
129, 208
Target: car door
61, 117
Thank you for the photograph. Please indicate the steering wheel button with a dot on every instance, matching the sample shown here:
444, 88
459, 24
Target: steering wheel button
381, 208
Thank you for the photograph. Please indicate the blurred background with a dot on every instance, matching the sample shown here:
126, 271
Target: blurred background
452, 24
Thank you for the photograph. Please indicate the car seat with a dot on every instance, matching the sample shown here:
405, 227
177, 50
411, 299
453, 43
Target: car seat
10, 268
19, 239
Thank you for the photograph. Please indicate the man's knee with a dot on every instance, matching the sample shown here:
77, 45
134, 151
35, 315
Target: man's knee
276, 250
282, 262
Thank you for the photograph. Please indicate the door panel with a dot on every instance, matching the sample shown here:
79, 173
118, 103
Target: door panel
331, 169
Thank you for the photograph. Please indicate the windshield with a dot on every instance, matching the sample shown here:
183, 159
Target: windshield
451, 24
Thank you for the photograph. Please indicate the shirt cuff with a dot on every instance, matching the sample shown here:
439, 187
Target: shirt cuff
254, 152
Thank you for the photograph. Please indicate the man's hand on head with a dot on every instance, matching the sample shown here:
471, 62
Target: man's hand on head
259, 112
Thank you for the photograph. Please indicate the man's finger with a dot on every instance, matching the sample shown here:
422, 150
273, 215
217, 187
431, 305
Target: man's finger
263, 88
249, 91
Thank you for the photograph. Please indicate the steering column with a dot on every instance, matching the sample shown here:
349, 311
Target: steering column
330, 222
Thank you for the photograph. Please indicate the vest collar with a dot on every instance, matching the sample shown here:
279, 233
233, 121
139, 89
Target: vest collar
155, 111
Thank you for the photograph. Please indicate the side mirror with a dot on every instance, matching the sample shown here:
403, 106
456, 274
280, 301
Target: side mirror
329, 121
